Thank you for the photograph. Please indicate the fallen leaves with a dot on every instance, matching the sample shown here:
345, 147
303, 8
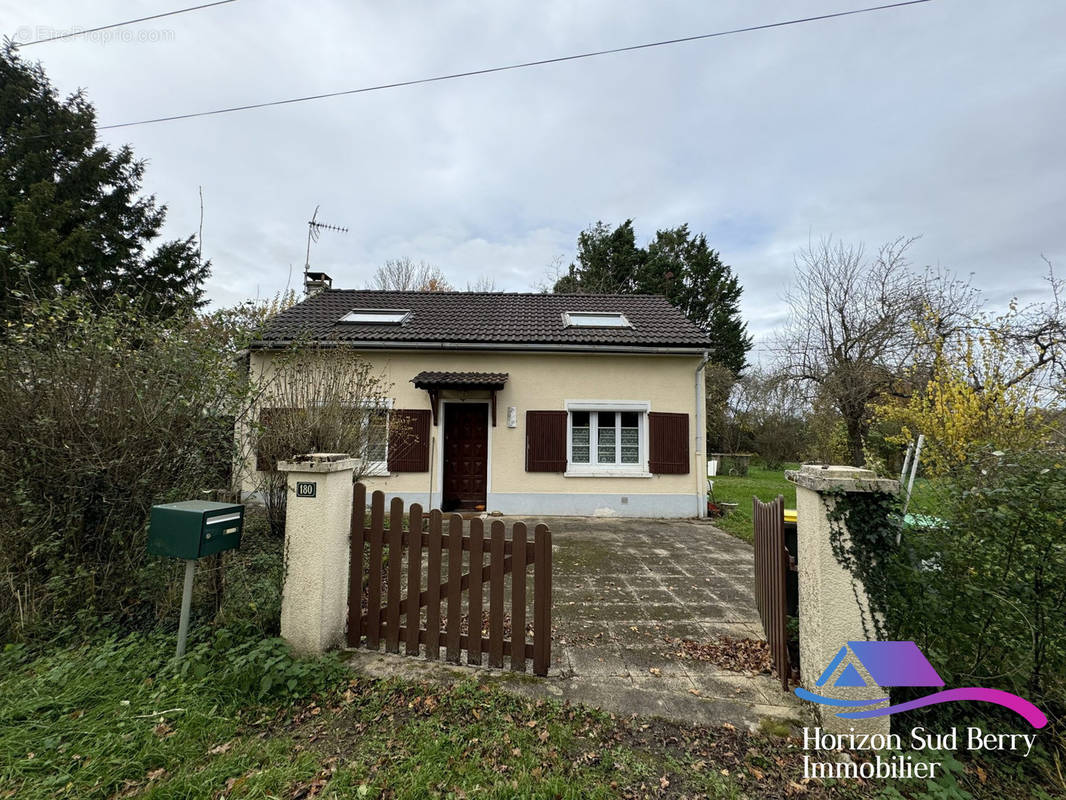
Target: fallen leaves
314, 787
727, 652
311, 789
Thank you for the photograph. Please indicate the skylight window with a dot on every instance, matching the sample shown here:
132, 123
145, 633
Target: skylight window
376, 316
596, 319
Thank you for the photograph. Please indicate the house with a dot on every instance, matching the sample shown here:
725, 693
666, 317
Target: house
530, 404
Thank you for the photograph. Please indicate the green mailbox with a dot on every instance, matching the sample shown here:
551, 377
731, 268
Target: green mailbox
191, 530
194, 529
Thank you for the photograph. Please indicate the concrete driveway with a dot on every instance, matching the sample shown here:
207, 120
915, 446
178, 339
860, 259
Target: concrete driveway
626, 594
626, 591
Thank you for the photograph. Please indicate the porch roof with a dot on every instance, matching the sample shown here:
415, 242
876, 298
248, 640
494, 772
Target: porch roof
460, 380
433, 382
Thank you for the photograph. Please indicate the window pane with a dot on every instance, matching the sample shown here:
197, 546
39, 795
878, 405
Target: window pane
630, 442
630, 419
592, 319
579, 435
377, 436
605, 437
380, 316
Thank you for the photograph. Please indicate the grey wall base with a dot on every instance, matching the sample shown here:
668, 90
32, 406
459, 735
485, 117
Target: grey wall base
656, 506
574, 504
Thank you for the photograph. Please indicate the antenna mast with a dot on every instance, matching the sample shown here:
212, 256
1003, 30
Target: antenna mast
314, 229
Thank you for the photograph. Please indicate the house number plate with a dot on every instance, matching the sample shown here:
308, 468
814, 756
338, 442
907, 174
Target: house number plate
306, 488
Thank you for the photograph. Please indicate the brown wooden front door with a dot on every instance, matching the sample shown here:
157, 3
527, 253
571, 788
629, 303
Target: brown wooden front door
466, 456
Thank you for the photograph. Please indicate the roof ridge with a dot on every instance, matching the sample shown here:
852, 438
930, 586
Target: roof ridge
427, 293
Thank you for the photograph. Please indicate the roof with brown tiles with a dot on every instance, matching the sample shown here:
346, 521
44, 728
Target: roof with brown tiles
490, 318
427, 379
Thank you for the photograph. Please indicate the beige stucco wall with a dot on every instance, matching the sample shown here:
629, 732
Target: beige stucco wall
546, 381
833, 606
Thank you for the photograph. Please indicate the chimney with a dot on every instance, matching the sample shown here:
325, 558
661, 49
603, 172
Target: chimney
315, 282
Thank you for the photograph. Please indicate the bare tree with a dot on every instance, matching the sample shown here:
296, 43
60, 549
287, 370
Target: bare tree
407, 275
484, 283
1034, 335
851, 336
767, 415
555, 270
326, 401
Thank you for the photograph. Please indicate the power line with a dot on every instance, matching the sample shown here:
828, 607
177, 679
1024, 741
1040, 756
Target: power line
522, 65
508, 67
81, 32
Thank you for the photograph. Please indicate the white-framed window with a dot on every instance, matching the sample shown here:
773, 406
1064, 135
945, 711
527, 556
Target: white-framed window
377, 316
596, 319
376, 435
607, 438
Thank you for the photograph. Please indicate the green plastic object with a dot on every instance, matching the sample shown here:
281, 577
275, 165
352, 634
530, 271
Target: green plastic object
923, 521
194, 528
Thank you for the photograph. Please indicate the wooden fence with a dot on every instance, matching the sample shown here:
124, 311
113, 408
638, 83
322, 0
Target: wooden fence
771, 566
387, 591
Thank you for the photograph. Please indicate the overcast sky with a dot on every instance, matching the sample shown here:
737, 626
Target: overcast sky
943, 120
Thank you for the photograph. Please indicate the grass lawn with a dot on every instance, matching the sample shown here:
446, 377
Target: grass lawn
766, 484
243, 719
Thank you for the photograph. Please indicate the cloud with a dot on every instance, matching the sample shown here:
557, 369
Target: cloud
940, 120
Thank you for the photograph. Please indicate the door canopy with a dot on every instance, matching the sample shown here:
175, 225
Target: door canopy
433, 382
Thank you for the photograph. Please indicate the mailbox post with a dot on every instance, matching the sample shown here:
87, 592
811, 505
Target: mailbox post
186, 606
191, 530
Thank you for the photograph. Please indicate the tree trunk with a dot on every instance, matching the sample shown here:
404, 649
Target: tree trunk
856, 439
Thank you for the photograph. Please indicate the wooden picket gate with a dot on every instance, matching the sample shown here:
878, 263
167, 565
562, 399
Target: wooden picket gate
771, 563
387, 591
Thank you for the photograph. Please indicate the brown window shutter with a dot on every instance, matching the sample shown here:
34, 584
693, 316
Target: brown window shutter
668, 442
545, 441
409, 440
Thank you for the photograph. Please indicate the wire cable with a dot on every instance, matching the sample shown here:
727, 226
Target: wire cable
490, 70
81, 32
522, 65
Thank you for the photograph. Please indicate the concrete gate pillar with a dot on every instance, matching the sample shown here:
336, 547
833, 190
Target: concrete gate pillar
314, 599
832, 604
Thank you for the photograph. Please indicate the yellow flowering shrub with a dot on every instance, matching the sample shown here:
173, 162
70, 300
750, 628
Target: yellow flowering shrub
970, 399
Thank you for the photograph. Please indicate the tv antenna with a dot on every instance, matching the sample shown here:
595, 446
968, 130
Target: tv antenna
314, 230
